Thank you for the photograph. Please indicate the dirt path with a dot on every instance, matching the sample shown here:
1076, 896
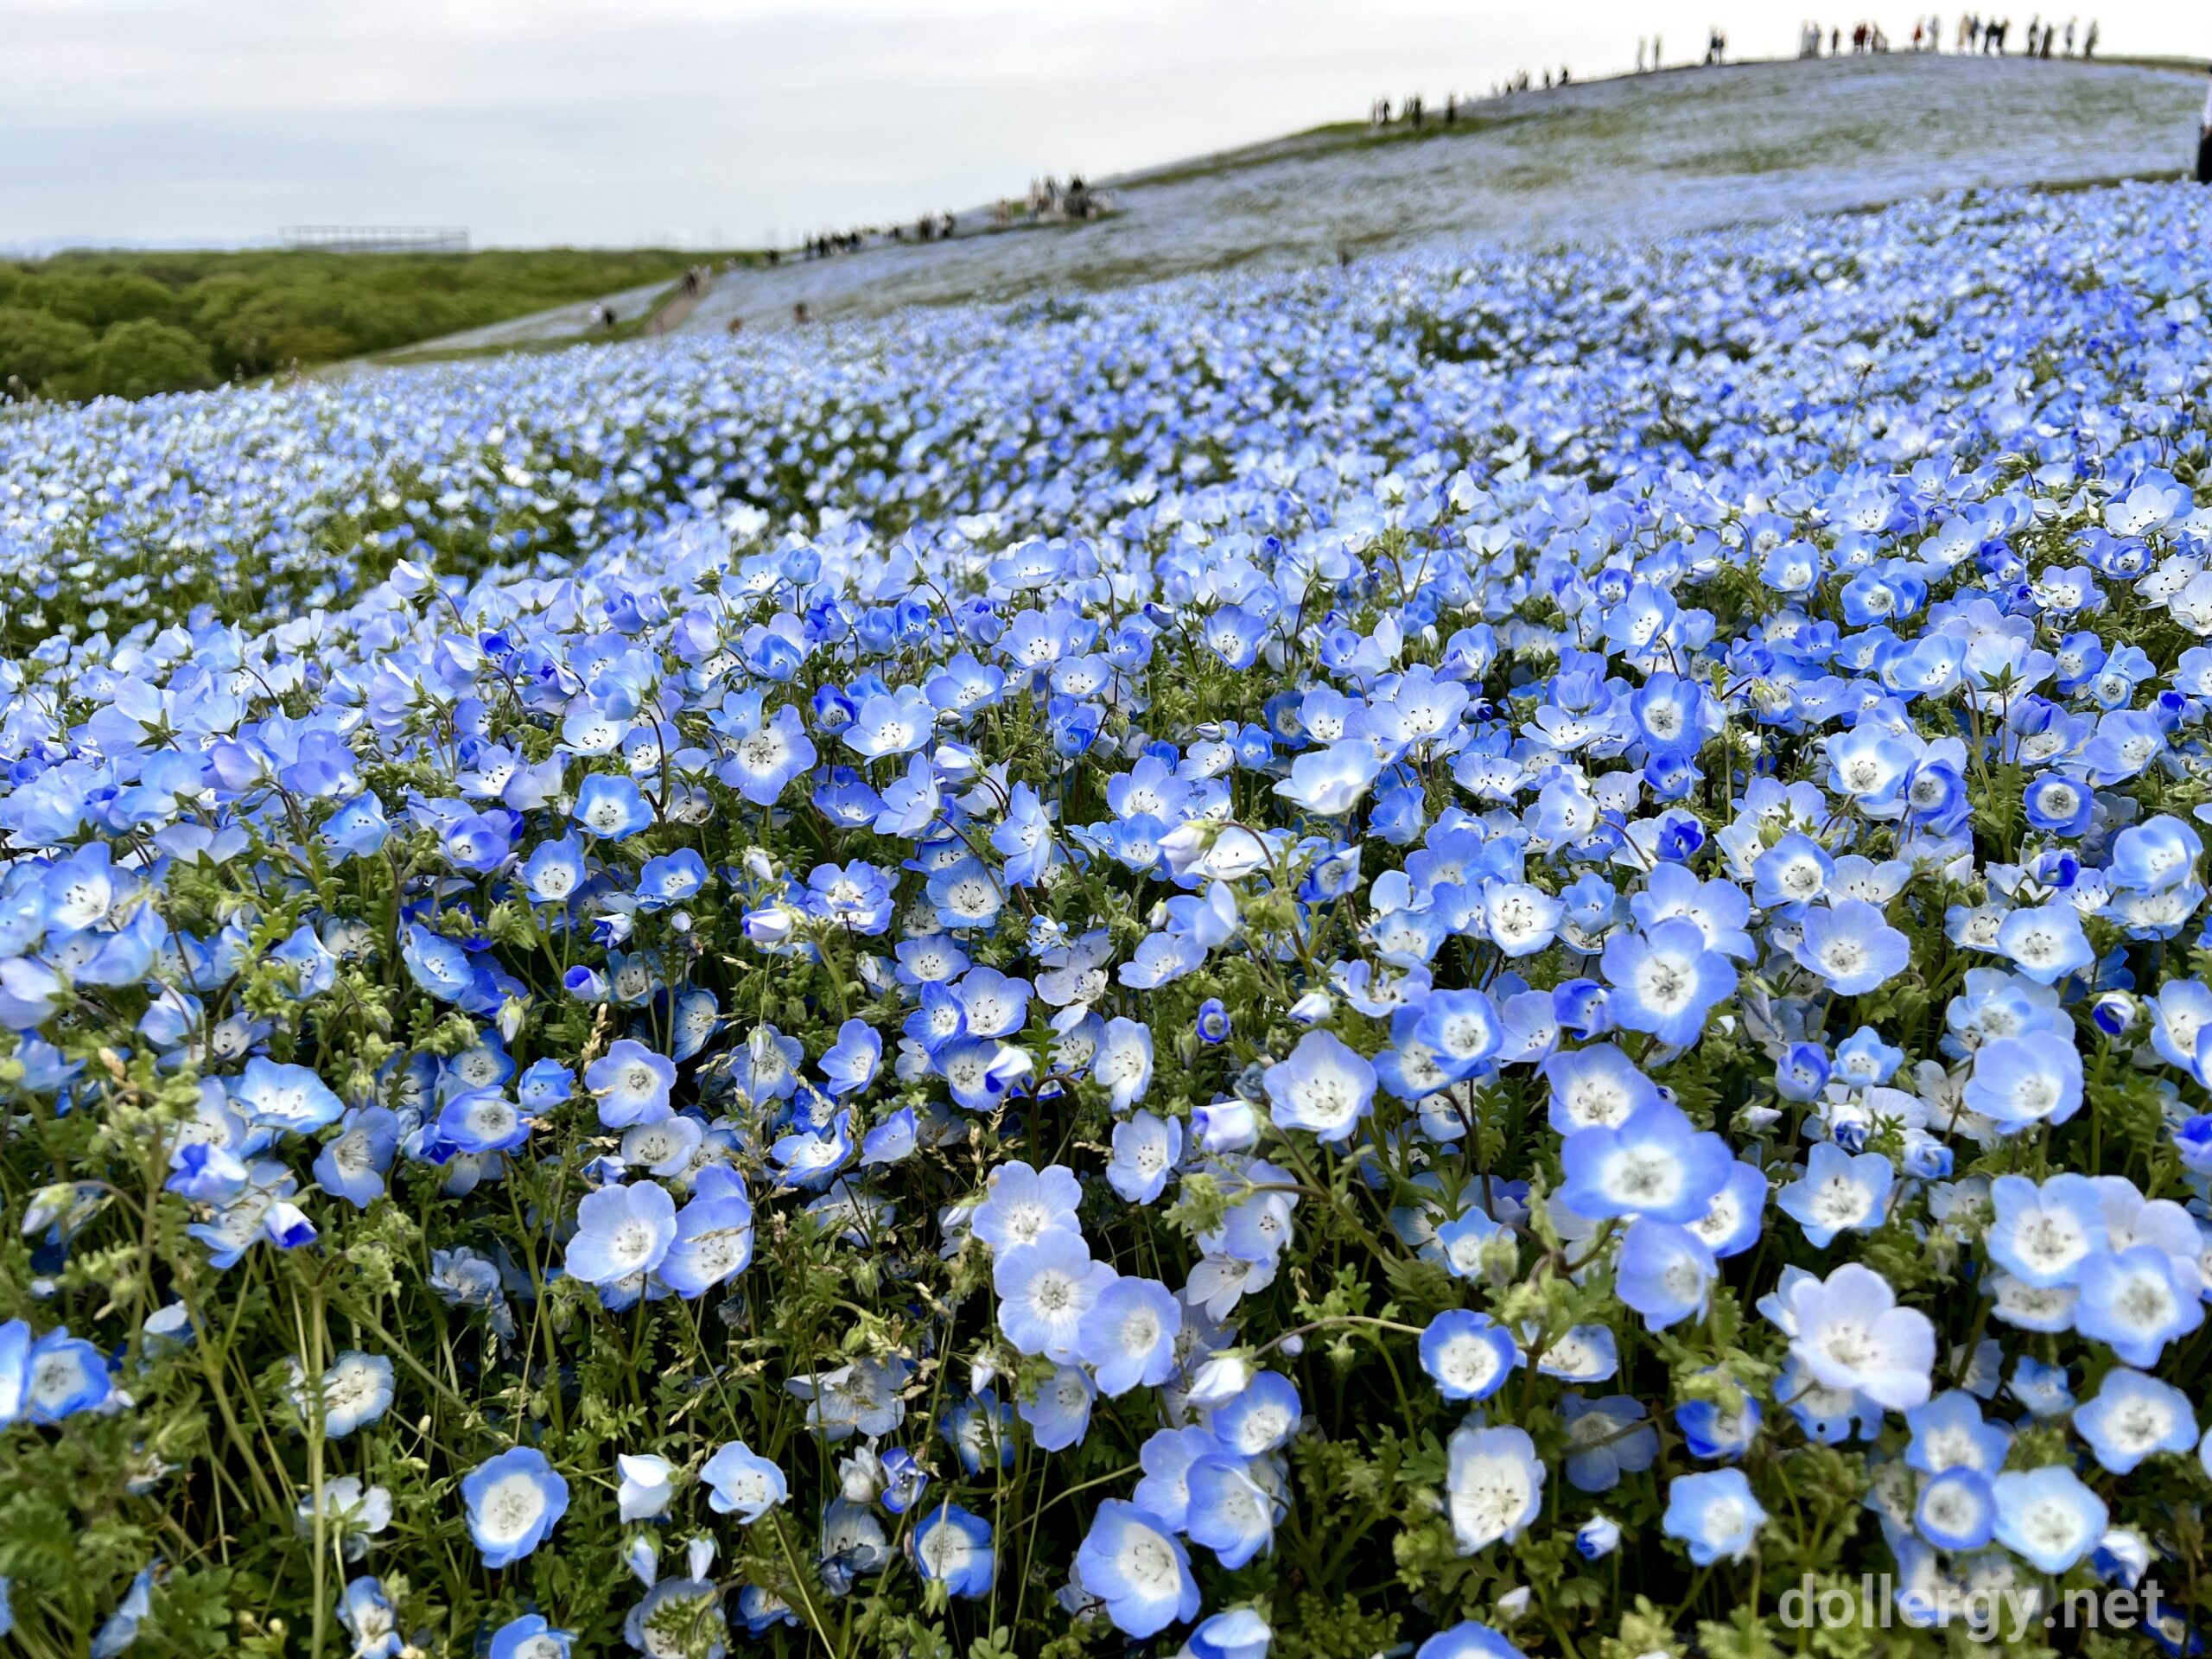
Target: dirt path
680, 304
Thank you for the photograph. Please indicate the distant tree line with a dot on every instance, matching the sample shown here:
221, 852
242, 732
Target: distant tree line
129, 324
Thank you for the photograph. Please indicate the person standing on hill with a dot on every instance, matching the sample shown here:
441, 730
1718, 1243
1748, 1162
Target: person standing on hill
2203, 133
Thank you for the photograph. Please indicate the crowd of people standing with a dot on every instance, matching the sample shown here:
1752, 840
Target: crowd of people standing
1975, 34
1049, 201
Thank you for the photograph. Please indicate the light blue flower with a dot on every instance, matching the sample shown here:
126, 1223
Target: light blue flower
1128, 1335
61, 1374
1132, 1562
622, 1232
1605, 1439
530, 1638
1957, 1510
1851, 947
1839, 1192
1713, 1514
610, 807
2047, 1516
743, 1483
1228, 1511
367, 1613
1470, 1639
1045, 1289
1654, 1164
2133, 1416
1494, 1485
953, 1547
1240, 1633
2137, 1301
1324, 1086
1466, 1354
631, 1083
514, 1501
2016, 1081
1664, 1272
1058, 1411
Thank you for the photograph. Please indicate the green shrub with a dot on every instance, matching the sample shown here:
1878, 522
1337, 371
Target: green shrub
135, 360
39, 351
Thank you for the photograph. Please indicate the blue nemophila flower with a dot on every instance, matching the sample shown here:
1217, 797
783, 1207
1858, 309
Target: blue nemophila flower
1718, 1431
851, 1064
1605, 1441
953, 1547
1228, 1511
1493, 1487
1597, 1537
741, 1482
1849, 1333
631, 1083
53, 1378
1839, 1192
1212, 1024
2047, 1516
1467, 1355
2042, 1235
1240, 1633
368, 1616
763, 754
1596, 1086
1331, 782
1146, 1149
1654, 1164
1023, 1204
712, 1241
1058, 1411
623, 1232
1324, 1086
1948, 1432
2137, 1301
514, 1501
291, 1099
671, 879
2046, 942
1468, 1639
648, 1485
1133, 1563
1713, 1514
610, 807
1851, 947
354, 1392
2132, 1416
693, 1607
1128, 1335
1261, 1416
1957, 1509
352, 1164
1045, 1289
530, 1637
440, 966
2018, 1081
483, 1120
891, 1141
1664, 1272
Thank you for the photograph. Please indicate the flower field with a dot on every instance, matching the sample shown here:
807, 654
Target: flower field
1479, 955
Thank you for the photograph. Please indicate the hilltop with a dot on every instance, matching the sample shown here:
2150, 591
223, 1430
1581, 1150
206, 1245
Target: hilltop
1635, 156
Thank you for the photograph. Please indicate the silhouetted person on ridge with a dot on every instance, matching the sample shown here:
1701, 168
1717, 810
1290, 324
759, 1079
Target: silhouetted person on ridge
2203, 130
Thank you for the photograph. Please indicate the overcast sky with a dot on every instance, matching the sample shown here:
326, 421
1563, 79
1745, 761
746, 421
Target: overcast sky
721, 122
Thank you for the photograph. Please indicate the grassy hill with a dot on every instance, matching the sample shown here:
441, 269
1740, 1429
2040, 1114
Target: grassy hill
1626, 159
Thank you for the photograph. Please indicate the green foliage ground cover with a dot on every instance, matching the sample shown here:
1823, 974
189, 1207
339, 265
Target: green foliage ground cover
88, 324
